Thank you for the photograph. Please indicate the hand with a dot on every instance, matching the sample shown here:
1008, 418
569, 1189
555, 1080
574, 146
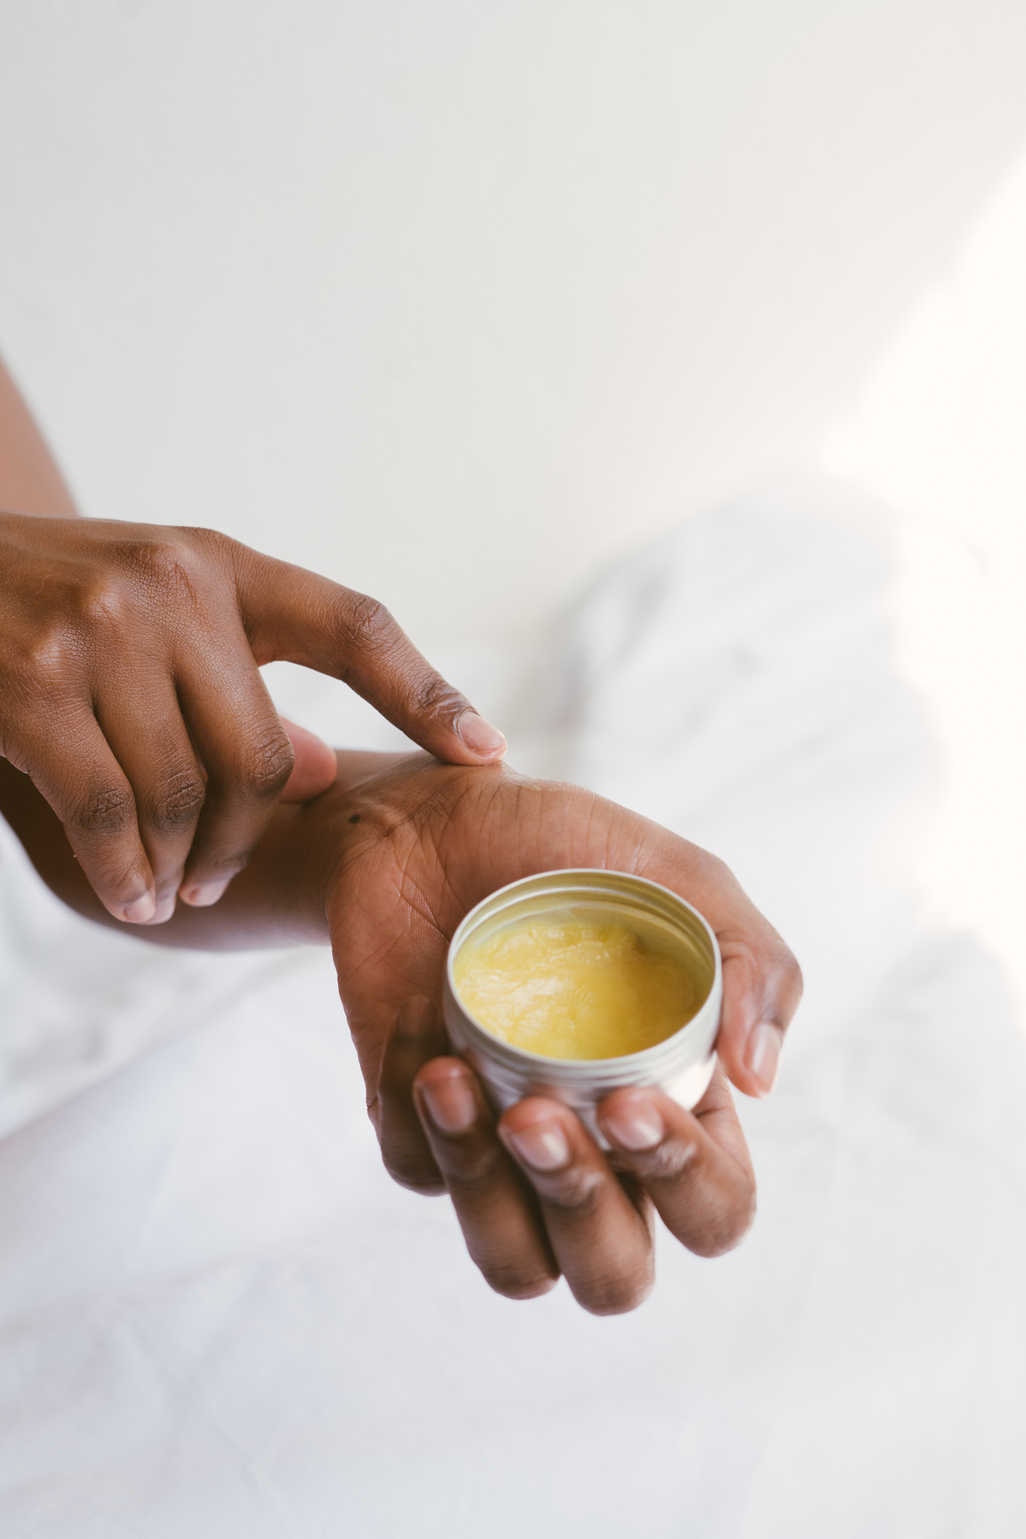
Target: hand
421, 843
130, 695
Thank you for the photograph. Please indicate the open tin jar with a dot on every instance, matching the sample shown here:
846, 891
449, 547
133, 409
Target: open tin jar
680, 1064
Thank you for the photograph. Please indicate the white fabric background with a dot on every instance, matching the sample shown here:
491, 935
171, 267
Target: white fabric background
505, 290
220, 1319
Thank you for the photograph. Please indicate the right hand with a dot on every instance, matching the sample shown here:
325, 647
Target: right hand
131, 696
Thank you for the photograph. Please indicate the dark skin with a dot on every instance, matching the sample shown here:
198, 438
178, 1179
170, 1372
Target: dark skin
384, 865
130, 690
380, 855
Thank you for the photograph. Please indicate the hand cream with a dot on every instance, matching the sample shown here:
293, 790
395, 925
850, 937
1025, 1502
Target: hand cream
577, 983
574, 983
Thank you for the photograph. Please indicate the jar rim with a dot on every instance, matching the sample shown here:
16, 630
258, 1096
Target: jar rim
598, 879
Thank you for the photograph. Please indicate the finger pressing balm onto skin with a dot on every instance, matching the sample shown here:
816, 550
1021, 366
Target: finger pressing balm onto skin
297, 616
130, 694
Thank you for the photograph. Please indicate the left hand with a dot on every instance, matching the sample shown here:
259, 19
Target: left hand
131, 695
535, 1195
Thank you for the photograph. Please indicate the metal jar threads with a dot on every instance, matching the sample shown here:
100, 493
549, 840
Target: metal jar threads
681, 1064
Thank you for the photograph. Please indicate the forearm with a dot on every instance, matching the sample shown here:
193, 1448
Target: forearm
30, 481
278, 900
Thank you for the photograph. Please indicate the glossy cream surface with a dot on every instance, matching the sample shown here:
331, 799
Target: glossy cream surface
576, 985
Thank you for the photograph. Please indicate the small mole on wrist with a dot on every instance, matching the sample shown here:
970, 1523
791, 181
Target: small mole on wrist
355, 818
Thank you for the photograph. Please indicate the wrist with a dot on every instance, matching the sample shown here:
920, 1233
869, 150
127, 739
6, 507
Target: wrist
343, 823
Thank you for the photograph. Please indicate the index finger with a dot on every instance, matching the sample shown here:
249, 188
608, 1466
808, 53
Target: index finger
293, 615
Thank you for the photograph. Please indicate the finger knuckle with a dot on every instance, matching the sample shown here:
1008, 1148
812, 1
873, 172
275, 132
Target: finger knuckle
268, 764
364, 624
213, 543
103, 606
159, 562
224, 863
140, 573
106, 810
668, 1161
750, 959
719, 868
782, 977
150, 553
433, 696
577, 1191
472, 1170
179, 803
715, 870
46, 663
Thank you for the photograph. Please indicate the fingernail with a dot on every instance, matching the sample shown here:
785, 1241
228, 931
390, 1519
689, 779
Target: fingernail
480, 736
165, 908
543, 1147
142, 910
634, 1125
203, 894
415, 1017
763, 1055
450, 1103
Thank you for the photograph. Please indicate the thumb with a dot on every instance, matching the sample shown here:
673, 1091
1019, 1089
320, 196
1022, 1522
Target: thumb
296, 616
314, 766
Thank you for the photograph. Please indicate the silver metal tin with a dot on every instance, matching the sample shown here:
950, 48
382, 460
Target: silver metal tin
681, 1065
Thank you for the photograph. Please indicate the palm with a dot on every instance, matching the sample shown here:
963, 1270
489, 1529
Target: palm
534, 1194
432, 840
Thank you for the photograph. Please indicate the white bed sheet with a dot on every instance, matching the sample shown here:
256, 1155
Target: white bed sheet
220, 1319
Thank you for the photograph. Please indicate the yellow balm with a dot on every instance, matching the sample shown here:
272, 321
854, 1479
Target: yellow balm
577, 985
